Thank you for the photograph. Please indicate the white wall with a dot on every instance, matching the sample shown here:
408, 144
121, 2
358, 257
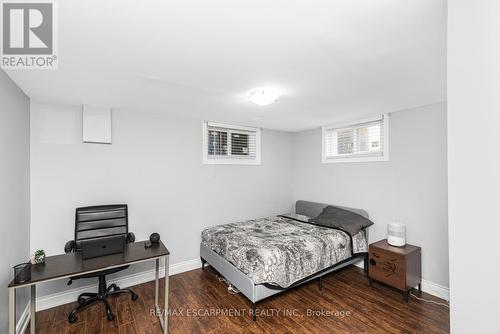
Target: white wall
410, 188
154, 165
474, 164
14, 189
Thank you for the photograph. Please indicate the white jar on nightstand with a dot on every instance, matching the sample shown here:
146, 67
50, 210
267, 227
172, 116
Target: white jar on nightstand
396, 234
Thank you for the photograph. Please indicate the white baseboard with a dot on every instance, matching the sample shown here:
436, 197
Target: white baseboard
69, 296
427, 286
436, 289
184, 266
24, 320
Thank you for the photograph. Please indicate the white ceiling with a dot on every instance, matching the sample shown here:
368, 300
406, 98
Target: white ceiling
333, 60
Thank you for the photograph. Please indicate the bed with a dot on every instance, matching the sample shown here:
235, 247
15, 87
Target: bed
266, 256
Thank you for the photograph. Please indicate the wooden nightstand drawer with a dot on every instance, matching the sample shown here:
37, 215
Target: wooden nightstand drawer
388, 268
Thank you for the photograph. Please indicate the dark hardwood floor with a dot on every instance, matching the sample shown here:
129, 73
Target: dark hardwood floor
196, 298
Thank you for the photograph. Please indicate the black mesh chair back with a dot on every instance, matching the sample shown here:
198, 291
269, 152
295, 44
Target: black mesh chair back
97, 222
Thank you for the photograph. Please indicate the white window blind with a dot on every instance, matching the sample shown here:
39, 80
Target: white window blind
230, 144
361, 141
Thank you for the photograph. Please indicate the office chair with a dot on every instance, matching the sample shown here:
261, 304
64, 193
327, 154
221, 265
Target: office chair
94, 222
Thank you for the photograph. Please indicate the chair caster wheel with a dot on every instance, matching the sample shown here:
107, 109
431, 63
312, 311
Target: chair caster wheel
134, 296
72, 319
110, 317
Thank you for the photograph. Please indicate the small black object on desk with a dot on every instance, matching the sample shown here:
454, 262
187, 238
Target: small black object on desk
154, 238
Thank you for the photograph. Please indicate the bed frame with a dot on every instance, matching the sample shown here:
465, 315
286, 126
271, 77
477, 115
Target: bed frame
258, 292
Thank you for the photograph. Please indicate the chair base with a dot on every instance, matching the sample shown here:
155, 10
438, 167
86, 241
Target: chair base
87, 298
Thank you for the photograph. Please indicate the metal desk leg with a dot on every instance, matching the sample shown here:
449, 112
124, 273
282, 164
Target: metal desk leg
163, 315
33, 308
165, 327
157, 283
12, 311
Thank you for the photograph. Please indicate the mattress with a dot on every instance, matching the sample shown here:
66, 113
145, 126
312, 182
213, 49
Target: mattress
281, 251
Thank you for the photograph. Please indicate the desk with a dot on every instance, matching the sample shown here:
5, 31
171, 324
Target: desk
71, 264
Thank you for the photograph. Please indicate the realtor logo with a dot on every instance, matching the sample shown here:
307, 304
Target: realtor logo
28, 31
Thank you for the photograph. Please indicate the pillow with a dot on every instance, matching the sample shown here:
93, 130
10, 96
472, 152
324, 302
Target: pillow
296, 216
345, 220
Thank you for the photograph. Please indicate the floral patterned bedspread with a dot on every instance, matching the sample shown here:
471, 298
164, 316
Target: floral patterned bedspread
279, 250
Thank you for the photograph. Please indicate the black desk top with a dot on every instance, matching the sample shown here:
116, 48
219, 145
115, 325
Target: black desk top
71, 264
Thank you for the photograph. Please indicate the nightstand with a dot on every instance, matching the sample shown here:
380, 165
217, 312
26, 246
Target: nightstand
399, 267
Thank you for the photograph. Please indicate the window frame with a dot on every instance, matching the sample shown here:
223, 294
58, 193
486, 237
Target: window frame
358, 157
241, 160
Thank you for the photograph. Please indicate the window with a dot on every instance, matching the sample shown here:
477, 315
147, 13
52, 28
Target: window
361, 141
230, 144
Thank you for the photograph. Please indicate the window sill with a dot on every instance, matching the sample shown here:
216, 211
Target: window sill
355, 159
231, 162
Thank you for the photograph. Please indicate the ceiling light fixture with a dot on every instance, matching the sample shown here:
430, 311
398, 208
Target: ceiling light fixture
264, 96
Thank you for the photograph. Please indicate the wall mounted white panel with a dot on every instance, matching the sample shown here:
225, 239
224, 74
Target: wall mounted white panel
97, 125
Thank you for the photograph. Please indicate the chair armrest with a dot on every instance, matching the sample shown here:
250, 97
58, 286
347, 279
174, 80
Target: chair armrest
130, 237
69, 247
